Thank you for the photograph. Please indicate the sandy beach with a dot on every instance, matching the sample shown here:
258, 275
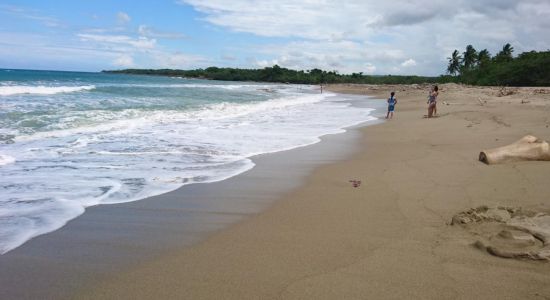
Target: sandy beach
390, 237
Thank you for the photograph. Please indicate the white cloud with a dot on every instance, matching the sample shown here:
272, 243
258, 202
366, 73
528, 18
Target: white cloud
124, 60
370, 68
141, 51
281, 18
138, 43
48, 52
228, 57
148, 31
369, 36
409, 63
385, 34
177, 60
265, 63
31, 15
343, 56
93, 49
123, 17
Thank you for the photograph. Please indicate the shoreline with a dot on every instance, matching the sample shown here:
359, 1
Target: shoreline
390, 237
323, 238
109, 238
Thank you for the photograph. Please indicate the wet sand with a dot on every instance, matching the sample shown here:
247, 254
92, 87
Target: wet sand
388, 238
110, 239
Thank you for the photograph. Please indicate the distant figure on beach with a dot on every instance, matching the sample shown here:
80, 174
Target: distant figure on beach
321, 88
392, 101
432, 101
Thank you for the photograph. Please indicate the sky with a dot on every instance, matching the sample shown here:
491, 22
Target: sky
401, 37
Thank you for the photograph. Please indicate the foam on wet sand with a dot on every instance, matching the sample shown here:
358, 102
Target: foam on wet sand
390, 237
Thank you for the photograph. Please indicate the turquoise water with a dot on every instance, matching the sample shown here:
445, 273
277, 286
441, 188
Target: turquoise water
71, 140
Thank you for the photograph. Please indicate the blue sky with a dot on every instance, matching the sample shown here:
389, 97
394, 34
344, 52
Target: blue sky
74, 35
369, 36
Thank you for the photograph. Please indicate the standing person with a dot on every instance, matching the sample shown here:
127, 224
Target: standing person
392, 101
432, 101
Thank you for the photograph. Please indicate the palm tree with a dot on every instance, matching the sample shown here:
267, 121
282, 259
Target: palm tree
507, 50
483, 58
454, 63
470, 57
505, 54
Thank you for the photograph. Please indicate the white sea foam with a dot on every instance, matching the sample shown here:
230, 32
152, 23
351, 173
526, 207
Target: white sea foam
41, 90
226, 86
120, 155
270, 87
120, 122
6, 160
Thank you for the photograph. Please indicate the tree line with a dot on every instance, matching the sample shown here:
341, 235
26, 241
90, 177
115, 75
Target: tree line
283, 75
470, 67
481, 68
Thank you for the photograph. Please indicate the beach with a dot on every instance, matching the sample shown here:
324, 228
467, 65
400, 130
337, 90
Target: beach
360, 215
305, 150
388, 238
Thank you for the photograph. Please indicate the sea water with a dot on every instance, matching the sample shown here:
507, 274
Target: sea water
71, 140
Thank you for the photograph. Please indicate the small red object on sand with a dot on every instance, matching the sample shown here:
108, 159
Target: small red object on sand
355, 183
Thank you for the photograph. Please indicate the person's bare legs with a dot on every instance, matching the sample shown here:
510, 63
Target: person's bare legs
431, 110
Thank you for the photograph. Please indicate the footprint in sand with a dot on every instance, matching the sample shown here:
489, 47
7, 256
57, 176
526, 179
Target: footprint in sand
508, 232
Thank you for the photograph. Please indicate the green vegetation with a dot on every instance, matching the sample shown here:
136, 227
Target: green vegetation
284, 75
470, 67
479, 68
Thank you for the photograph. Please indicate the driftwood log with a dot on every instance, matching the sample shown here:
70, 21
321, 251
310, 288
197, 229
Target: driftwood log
527, 148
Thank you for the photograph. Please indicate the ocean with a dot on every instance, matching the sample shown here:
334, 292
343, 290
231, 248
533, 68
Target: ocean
71, 140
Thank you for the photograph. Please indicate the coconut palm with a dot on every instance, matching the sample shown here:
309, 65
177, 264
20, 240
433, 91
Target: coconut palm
483, 58
454, 63
469, 57
505, 54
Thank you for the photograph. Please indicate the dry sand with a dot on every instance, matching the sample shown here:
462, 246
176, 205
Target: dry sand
390, 237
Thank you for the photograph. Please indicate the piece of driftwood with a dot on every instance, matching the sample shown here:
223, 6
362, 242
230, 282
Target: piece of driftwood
527, 148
